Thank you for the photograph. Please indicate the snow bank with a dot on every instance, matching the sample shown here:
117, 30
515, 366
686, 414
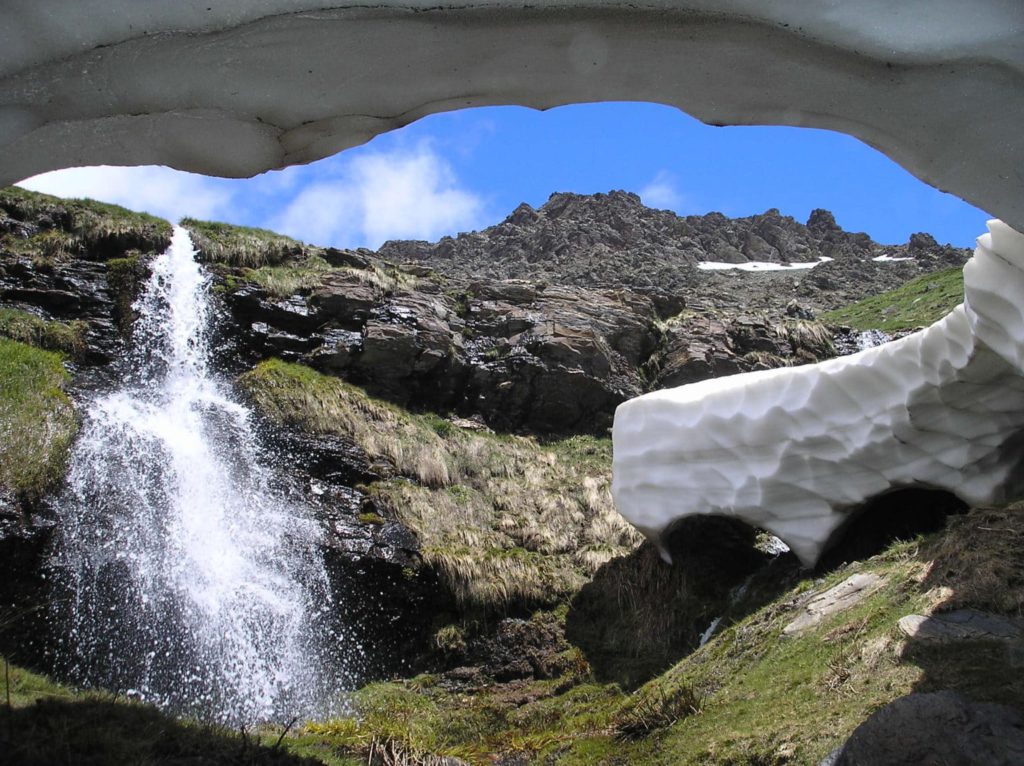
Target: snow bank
793, 450
759, 265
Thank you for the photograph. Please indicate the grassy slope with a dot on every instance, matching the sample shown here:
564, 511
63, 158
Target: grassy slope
37, 420
506, 519
752, 695
919, 303
46, 724
79, 225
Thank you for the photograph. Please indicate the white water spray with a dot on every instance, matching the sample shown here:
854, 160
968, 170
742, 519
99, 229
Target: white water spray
191, 580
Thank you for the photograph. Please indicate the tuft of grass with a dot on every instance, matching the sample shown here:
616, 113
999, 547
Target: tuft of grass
421, 723
305, 274
32, 330
979, 562
507, 520
656, 710
808, 335
296, 277
920, 302
241, 245
37, 419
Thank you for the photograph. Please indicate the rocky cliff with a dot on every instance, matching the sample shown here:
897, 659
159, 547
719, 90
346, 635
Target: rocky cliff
549, 320
614, 241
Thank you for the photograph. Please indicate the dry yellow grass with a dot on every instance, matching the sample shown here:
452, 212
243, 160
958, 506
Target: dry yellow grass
507, 520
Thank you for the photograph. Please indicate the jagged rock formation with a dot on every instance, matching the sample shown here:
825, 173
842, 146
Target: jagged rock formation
614, 241
792, 451
447, 329
241, 88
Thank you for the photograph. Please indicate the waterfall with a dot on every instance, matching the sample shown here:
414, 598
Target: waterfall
871, 338
189, 577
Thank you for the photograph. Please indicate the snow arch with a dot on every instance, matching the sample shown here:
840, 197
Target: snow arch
235, 88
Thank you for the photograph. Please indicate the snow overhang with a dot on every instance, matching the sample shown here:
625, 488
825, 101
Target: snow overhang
236, 88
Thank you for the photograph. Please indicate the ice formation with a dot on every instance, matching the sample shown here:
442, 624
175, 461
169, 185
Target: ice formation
794, 450
237, 87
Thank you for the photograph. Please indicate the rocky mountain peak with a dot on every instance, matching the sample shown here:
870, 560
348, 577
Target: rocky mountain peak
613, 240
822, 222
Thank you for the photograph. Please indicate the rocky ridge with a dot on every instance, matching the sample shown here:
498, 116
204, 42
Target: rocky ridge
614, 241
549, 320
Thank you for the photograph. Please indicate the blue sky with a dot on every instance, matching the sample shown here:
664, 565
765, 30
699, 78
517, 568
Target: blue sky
467, 170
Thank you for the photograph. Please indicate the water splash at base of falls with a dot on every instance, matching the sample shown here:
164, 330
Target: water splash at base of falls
188, 578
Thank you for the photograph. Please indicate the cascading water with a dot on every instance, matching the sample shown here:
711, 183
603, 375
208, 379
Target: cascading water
189, 578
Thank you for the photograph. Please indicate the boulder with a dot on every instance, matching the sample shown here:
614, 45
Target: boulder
940, 728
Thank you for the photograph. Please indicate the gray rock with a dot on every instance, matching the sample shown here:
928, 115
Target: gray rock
960, 625
849, 592
936, 729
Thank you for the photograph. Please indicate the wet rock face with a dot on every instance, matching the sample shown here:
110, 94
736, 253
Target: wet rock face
524, 356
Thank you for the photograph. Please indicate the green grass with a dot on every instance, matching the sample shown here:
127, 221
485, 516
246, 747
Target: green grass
508, 521
752, 695
47, 723
80, 226
919, 303
37, 419
242, 245
27, 328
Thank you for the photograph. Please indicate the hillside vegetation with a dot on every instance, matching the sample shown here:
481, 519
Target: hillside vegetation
918, 303
753, 695
506, 519
37, 419
51, 228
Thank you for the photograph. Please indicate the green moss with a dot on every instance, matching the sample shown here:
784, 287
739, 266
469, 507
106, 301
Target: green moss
37, 420
126, 277
35, 331
919, 303
241, 245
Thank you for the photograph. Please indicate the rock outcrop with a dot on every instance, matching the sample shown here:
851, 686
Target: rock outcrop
940, 727
614, 241
608, 305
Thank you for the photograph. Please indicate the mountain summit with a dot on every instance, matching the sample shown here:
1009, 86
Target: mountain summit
613, 240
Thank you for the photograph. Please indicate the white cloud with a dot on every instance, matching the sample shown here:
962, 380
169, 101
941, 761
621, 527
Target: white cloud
662, 192
363, 199
168, 193
405, 194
